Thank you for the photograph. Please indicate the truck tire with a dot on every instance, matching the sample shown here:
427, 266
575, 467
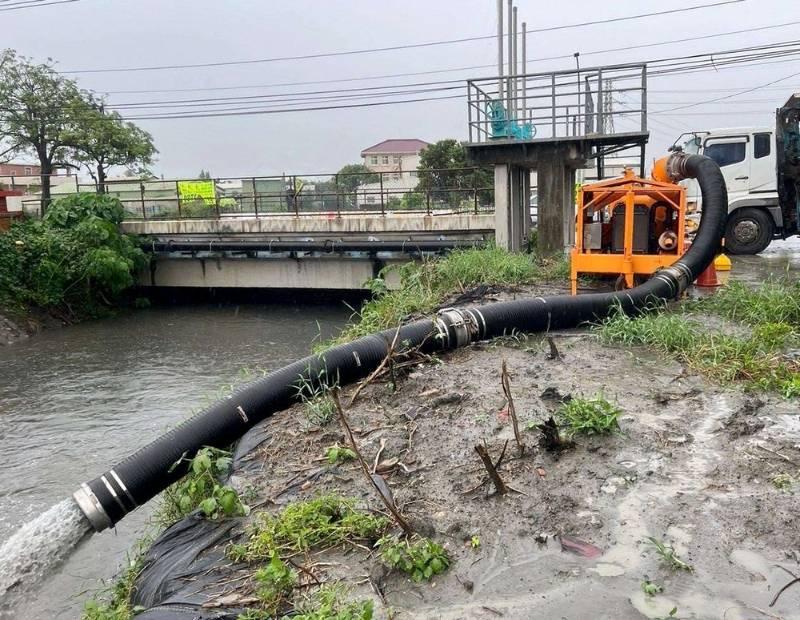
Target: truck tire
748, 231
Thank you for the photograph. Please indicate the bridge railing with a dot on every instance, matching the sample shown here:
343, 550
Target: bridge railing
582, 103
439, 191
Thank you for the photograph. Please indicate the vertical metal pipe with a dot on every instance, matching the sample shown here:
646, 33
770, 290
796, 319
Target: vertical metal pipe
510, 29
524, 70
644, 98
500, 86
515, 53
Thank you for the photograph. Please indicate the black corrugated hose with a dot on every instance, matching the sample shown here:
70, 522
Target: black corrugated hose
144, 474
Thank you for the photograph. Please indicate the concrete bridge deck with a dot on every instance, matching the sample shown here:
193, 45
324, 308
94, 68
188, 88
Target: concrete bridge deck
273, 252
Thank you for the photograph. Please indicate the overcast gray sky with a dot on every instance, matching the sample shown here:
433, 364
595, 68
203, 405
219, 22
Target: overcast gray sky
91, 34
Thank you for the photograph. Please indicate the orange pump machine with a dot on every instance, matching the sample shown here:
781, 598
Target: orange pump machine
627, 227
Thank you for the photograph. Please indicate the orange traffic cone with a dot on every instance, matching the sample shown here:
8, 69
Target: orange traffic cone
709, 277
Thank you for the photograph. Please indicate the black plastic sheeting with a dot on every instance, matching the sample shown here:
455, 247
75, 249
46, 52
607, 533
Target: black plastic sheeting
186, 568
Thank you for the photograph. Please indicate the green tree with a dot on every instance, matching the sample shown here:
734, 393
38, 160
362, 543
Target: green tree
442, 169
351, 176
103, 140
204, 174
40, 110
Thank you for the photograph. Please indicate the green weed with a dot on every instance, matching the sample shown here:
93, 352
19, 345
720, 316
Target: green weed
590, 416
783, 482
756, 359
339, 454
318, 406
775, 301
420, 558
650, 588
425, 285
475, 542
322, 522
274, 583
328, 603
668, 556
114, 603
200, 488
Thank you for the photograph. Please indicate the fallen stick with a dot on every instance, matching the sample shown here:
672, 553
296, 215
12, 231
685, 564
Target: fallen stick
512, 412
499, 485
398, 518
378, 370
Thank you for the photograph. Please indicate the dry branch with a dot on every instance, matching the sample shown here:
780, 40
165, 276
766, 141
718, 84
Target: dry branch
378, 370
398, 518
499, 485
512, 412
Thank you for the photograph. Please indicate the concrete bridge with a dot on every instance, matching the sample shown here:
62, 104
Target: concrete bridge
340, 251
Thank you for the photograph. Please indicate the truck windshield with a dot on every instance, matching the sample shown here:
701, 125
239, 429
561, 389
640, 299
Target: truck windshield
688, 143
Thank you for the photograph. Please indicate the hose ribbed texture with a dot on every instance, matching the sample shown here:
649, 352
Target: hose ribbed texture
155, 466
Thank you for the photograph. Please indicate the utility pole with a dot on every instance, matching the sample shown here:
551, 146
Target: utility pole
516, 72
510, 28
524, 70
500, 50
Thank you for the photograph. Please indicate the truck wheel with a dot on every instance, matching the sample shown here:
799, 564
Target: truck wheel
748, 231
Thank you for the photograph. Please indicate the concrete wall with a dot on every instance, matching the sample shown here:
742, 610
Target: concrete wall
277, 225
340, 273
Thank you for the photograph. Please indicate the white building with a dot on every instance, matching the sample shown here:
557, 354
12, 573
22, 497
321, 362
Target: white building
397, 161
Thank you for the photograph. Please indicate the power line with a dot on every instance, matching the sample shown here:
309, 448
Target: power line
449, 70
207, 65
723, 98
670, 66
30, 4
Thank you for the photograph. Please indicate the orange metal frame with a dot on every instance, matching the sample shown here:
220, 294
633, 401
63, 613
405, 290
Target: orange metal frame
606, 195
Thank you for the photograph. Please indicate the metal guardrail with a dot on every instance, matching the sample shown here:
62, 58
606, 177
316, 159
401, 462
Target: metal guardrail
456, 190
582, 103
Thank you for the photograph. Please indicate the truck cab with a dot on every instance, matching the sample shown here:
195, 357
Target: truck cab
747, 158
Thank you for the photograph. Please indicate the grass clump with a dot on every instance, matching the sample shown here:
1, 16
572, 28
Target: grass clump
775, 301
783, 482
328, 603
756, 359
200, 488
114, 603
668, 556
427, 284
339, 454
274, 584
322, 522
420, 558
590, 416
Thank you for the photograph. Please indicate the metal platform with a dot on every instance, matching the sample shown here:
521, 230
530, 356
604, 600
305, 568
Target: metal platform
584, 114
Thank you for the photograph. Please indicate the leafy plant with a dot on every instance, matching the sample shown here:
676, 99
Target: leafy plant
274, 583
590, 416
74, 261
339, 454
475, 542
200, 488
328, 603
322, 522
668, 556
420, 558
318, 406
650, 588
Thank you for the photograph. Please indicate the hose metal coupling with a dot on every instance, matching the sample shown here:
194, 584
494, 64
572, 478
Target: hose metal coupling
92, 508
458, 326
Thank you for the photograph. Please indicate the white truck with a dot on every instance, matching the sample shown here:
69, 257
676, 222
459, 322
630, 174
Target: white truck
761, 166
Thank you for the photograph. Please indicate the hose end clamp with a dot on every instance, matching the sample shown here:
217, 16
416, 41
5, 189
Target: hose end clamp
456, 327
90, 506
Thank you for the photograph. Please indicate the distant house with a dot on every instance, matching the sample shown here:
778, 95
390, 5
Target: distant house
23, 175
397, 161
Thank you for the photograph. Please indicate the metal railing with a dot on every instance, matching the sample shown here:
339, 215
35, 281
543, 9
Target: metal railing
450, 191
582, 103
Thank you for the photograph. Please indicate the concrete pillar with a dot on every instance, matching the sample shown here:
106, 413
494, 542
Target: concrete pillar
556, 181
502, 204
526, 205
515, 198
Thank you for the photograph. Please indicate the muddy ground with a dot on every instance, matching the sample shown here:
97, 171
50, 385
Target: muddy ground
693, 466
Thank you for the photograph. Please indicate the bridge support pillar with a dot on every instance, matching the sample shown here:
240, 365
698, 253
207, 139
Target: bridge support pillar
556, 202
512, 218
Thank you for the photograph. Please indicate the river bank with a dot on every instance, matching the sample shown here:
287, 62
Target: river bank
687, 506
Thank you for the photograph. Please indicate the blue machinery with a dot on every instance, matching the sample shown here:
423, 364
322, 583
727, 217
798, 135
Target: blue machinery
505, 127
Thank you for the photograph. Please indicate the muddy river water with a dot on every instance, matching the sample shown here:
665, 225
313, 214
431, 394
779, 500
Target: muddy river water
74, 401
